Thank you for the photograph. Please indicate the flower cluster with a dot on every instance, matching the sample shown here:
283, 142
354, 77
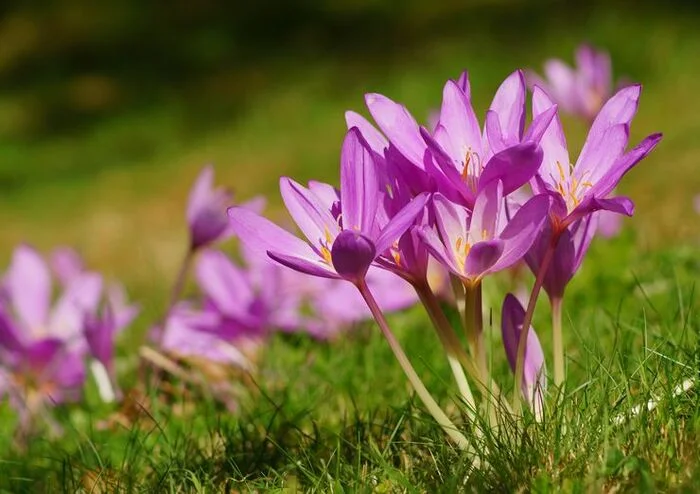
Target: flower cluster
44, 347
478, 199
463, 198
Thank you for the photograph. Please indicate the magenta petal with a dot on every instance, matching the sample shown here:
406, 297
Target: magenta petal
10, 339
459, 121
437, 249
521, 232
224, 283
619, 109
540, 124
303, 264
377, 142
625, 163
315, 222
28, 282
534, 379
509, 105
595, 161
261, 235
513, 166
399, 126
352, 254
397, 226
486, 217
482, 256
494, 134
463, 83
81, 297
359, 185
206, 209
66, 264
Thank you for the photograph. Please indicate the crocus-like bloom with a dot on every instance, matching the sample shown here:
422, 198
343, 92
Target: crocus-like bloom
206, 210
568, 254
343, 241
582, 90
583, 188
473, 246
534, 380
101, 329
191, 334
42, 347
459, 158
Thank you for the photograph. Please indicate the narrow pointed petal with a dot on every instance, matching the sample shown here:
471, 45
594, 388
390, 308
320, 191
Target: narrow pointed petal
534, 378
596, 161
555, 161
200, 193
509, 105
451, 221
609, 181
374, 138
359, 184
10, 339
540, 124
397, 226
352, 255
223, 282
66, 264
28, 283
463, 83
399, 126
315, 222
437, 249
482, 256
514, 166
521, 232
304, 265
619, 109
485, 217
457, 117
82, 296
494, 134
262, 235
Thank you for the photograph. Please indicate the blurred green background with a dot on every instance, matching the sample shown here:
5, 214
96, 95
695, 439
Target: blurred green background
109, 109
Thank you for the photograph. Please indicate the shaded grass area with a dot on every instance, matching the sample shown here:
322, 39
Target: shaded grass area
333, 417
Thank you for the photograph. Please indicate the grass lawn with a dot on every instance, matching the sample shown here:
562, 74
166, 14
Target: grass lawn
338, 416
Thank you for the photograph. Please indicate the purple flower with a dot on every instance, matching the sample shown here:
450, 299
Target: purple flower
191, 334
458, 157
344, 240
534, 380
581, 90
252, 300
42, 346
473, 246
66, 264
206, 210
568, 254
583, 188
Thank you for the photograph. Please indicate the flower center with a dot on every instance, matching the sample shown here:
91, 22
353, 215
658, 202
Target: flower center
472, 169
571, 188
326, 245
461, 251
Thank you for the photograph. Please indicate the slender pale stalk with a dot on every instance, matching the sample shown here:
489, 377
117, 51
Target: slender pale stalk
449, 336
474, 327
557, 342
105, 388
437, 317
527, 321
179, 284
422, 392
